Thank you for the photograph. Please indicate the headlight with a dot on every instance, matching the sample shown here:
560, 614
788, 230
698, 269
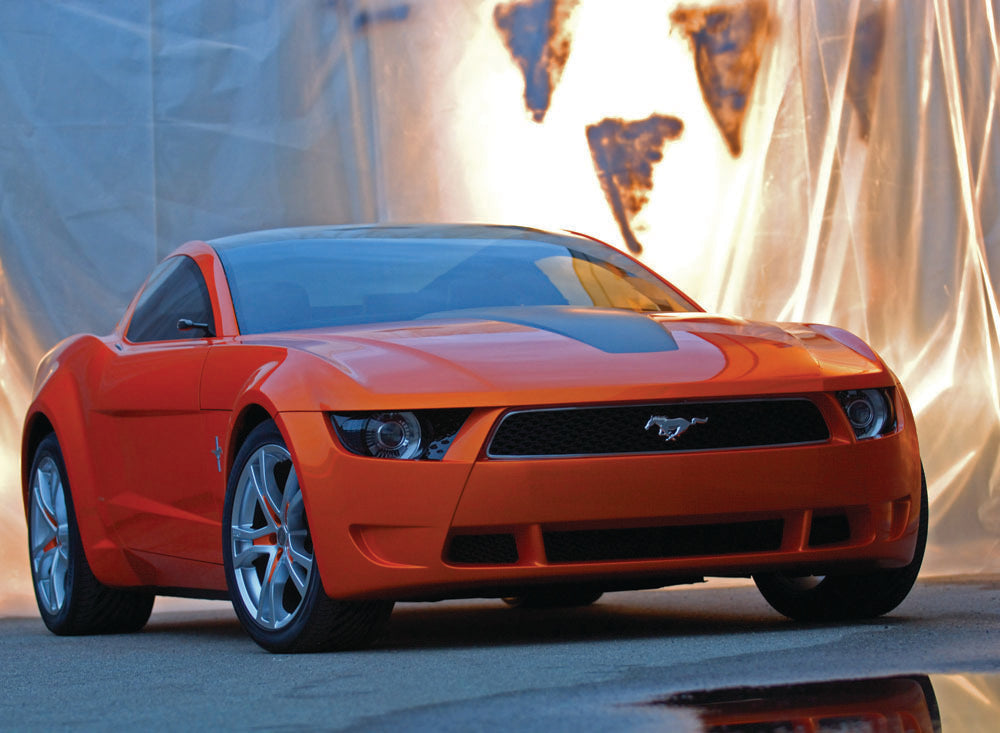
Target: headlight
402, 435
869, 411
393, 435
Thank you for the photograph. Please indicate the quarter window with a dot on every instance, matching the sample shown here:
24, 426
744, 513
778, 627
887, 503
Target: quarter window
175, 290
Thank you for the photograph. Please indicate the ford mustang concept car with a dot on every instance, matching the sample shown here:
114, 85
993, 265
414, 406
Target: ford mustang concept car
318, 422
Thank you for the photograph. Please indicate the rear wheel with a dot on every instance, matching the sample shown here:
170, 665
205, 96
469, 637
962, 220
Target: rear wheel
70, 599
270, 567
846, 597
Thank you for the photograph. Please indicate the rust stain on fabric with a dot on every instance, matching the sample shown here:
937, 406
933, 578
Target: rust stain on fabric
536, 34
366, 19
728, 42
866, 63
624, 154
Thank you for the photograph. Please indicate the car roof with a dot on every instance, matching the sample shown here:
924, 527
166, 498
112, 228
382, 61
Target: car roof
394, 231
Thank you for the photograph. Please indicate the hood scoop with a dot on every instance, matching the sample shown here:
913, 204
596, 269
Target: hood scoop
612, 331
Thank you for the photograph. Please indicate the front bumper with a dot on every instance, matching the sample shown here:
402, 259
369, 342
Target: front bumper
467, 525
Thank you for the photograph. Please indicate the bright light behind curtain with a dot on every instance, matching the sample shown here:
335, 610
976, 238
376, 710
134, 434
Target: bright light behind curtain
783, 160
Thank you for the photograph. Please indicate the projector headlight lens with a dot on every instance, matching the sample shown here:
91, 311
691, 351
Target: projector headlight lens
869, 412
393, 435
404, 435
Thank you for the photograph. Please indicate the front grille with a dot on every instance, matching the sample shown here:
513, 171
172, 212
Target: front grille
482, 549
654, 543
622, 429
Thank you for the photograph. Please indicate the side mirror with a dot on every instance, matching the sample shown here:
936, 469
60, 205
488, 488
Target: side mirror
186, 324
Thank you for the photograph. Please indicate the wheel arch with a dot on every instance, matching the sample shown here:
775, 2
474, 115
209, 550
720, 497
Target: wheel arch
247, 418
37, 427
69, 426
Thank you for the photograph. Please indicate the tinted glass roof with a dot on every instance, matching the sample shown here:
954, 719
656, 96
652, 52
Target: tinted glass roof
397, 231
322, 277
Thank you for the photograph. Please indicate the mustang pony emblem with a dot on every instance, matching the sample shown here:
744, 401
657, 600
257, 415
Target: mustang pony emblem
672, 427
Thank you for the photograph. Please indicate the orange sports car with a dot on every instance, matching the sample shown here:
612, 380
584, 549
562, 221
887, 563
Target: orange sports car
318, 422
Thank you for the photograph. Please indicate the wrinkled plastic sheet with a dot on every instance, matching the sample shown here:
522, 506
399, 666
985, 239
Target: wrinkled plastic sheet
820, 161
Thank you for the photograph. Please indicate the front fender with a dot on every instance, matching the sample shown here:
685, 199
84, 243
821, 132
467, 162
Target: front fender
251, 382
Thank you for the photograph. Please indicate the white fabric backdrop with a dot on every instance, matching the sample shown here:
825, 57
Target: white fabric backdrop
834, 162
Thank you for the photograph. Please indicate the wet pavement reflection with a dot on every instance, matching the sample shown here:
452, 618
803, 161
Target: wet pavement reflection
903, 704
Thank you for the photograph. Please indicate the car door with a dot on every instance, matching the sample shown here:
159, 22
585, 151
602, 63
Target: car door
159, 490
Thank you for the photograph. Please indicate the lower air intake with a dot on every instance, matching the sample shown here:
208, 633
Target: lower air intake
482, 549
830, 530
654, 543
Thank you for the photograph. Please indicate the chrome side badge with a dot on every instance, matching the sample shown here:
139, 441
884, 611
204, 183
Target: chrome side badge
673, 427
217, 452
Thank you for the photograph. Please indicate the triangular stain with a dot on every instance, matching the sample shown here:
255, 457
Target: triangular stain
624, 154
866, 63
728, 42
536, 34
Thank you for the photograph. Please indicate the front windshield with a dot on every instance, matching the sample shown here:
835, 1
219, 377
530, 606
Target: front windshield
315, 283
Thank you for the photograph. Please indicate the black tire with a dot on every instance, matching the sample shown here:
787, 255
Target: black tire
298, 616
70, 599
571, 596
846, 597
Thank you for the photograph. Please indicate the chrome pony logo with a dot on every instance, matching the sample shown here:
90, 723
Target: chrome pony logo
673, 427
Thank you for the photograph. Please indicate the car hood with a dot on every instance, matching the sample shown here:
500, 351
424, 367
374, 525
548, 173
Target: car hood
549, 355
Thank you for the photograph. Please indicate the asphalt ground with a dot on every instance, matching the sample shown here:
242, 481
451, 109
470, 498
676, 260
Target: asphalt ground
479, 665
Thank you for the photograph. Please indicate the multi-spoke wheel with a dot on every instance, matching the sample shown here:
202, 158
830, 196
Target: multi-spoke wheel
272, 552
49, 534
845, 597
270, 567
70, 599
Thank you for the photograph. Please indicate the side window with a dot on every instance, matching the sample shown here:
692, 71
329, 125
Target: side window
175, 290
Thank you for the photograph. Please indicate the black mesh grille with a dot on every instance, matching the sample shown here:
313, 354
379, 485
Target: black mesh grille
651, 543
622, 429
483, 549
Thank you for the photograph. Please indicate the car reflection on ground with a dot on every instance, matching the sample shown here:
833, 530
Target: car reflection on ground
876, 705
903, 704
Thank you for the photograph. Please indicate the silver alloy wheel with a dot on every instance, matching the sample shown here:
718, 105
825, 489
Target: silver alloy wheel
270, 542
49, 535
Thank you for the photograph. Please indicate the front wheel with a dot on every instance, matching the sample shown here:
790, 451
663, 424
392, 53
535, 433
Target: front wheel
271, 571
846, 597
71, 600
